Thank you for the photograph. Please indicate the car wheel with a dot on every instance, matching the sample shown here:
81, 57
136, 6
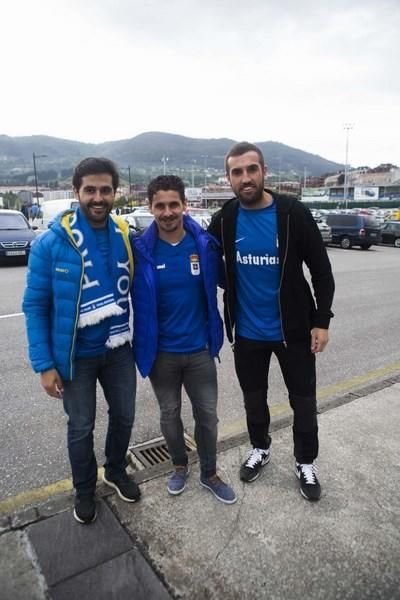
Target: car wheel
345, 243
365, 246
397, 242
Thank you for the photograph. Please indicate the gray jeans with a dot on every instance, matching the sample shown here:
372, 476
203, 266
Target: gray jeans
197, 373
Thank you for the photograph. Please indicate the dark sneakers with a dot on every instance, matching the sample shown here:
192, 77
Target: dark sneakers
309, 484
85, 508
250, 469
126, 487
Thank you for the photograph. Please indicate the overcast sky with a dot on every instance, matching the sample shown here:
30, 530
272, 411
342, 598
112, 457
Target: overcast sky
292, 71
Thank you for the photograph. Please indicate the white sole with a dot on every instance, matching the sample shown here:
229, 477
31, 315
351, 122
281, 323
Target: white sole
176, 493
184, 487
216, 496
124, 498
256, 476
301, 491
81, 520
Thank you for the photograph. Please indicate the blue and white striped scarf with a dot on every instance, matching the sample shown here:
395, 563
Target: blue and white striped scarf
103, 296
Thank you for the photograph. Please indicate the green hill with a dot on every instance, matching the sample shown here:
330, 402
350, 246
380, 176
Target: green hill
145, 151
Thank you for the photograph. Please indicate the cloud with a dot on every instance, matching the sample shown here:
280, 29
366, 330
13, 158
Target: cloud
284, 70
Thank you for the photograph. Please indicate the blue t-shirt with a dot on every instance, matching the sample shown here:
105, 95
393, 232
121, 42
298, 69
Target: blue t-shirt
257, 275
182, 309
91, 340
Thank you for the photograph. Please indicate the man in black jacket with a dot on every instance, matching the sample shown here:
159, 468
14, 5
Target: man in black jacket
266, 238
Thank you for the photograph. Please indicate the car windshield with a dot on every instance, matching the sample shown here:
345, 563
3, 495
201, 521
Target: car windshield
144, 221
13, 221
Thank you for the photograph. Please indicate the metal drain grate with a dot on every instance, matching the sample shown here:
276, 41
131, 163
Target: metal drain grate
154, 452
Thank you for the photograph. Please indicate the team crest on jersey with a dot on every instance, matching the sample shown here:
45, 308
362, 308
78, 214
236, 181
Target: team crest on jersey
194, 264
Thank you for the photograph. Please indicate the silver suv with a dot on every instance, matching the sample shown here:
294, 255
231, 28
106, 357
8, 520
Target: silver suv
325, 230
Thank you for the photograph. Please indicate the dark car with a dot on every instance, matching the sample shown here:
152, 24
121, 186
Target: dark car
354, 230
390, 233
16, 236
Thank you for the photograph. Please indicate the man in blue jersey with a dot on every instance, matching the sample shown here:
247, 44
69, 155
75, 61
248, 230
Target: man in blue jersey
178, 331
267, 237
76, 305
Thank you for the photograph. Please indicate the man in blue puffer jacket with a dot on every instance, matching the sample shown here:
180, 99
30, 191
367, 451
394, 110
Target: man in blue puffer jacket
76, 305
178, 331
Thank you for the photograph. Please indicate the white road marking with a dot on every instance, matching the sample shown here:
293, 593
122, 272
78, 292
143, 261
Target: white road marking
13, 315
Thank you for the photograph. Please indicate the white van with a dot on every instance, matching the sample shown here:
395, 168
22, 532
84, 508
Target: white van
52, 208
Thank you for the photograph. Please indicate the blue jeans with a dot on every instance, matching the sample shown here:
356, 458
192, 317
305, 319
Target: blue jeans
115, 371
197, 373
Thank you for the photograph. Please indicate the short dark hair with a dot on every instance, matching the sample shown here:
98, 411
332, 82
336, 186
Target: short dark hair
165, 183
241, 148
95, 165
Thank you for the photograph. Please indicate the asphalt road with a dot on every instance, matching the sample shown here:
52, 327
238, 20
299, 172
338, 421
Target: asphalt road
364, 347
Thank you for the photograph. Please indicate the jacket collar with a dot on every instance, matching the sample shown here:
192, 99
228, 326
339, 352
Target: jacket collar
146, 242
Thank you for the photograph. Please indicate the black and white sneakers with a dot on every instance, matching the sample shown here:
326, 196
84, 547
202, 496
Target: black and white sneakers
125, 486
307, 473
250, 469
85, 508
309, 484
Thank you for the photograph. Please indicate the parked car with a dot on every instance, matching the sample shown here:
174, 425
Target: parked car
51, 208
16, 236
194, 211
393, 214
325, 231
354, 230
390, 233
140, 210
139, 221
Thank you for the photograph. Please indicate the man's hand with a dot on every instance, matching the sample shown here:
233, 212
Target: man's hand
52, 384
319, 339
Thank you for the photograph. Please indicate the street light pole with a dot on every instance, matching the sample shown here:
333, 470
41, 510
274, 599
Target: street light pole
36, 181
279, 175
193, 163
205, 156
346, 127
130, 185
35, 156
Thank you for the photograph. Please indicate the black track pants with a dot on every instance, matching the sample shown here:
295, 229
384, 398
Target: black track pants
297, 363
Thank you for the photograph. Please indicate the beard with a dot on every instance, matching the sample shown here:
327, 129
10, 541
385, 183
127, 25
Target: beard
251, 198
96, 218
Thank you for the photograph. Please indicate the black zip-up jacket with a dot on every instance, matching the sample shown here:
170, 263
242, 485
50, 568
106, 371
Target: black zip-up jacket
299, 242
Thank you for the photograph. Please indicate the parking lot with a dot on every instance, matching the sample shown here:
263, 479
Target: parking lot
362, 349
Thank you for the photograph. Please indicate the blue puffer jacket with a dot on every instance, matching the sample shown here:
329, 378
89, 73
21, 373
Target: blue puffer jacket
52, 296
144, 294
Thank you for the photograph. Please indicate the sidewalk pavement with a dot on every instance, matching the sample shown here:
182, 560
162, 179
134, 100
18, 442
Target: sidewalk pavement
272, 544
